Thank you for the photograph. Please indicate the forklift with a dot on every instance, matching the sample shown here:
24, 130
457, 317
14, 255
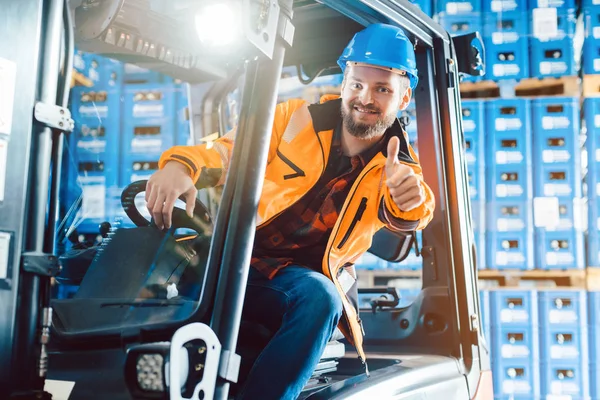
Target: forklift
159, 315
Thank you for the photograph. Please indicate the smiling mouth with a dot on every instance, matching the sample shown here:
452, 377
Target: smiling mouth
365, 111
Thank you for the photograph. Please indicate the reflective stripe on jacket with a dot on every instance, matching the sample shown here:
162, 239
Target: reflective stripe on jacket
298, 153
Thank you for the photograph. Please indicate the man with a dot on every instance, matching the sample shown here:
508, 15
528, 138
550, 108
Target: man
337, 172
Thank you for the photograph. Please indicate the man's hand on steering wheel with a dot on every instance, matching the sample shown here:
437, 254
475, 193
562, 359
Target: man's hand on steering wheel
164, 187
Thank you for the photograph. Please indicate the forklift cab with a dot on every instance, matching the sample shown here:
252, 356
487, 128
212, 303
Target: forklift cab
157, 314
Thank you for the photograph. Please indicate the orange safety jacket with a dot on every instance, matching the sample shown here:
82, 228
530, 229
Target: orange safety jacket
298, 153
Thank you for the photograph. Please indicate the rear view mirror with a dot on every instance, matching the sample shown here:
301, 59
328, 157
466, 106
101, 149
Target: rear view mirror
470, 53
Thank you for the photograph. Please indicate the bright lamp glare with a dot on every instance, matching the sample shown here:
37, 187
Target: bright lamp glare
217, 25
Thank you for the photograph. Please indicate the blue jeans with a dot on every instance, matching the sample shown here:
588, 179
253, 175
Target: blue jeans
302, 308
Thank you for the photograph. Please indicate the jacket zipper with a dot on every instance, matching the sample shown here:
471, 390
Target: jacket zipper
357, 217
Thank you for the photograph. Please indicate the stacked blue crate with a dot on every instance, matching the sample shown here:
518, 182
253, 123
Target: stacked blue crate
591, 45
591, 111
557, 160
92, 161
486, 319
459, 18
515, 344
103, 72
564, 344
506, 43
594, 342
509, 217
473, 117
552, 52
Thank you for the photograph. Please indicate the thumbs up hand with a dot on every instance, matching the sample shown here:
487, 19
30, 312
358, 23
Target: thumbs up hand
404, 185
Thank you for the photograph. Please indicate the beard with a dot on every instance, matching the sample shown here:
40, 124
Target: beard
365, 130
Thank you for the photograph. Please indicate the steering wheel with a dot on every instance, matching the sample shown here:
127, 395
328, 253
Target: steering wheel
200, 223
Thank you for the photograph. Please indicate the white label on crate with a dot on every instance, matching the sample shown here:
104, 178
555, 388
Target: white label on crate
469, 125
93, 111
8, 76
562, 317
509, 157
514, 316
560, 387
546, 212
4, 252
561, 352
3, 163
552, 156
553, 67
148, 110
97, 146
462, 8
508, 190
545, 23
594, 2
558, 397
505, 258
555, 122
510, 225
508, 124
138, 144
557, 189
514, 387
93, 203
554, 258
597, 121
514, 351
597, 64
506, 69
597, 32
470, 158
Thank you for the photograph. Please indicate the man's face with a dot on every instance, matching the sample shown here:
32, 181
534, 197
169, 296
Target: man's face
371, 98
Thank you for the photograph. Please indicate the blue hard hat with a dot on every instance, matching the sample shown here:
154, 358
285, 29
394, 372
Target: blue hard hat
383, 46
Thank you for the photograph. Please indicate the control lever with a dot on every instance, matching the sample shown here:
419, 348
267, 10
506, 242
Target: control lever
384, 300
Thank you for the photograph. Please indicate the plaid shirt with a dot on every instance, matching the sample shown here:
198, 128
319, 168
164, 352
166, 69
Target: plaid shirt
299, 235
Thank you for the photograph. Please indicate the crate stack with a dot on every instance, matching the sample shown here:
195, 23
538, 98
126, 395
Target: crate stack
515, 344
558, 186
594, 342
123, 123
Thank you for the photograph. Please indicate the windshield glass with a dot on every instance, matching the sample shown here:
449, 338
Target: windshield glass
115, 274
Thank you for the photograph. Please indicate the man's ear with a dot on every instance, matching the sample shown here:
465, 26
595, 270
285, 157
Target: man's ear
405, 101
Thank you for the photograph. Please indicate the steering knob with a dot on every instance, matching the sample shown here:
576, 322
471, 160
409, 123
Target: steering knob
104, 229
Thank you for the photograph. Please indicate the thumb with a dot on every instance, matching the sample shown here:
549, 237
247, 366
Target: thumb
190, 202
392, 153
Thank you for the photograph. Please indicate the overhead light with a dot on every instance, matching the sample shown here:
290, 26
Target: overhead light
218, 24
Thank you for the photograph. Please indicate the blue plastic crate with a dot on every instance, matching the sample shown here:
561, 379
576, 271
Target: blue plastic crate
554, 56
97, 117
506, 27
560, 249
516, 379
89, 180
501, 6
558, 180
509, 182
480, 248
476, 176
516, 342
566, 343
508, 131
470, 8
461, 24
509, 216
591, 45
105, 73
562, 308
149, 116
563, 378
513, 308
556, 127
560, 4
473, 116
510, 250
506, 61
485, 310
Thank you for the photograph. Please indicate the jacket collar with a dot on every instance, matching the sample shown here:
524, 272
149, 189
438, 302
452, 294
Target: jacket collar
326, 116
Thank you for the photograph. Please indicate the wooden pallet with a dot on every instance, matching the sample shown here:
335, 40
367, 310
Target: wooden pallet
591, 85
529, 87
587, 279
